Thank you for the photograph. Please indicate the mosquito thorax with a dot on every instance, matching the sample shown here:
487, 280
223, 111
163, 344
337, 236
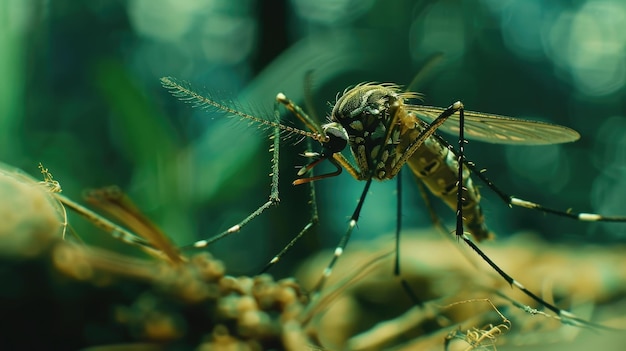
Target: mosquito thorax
365, 111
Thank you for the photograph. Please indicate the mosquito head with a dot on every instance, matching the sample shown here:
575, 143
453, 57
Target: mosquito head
337, 138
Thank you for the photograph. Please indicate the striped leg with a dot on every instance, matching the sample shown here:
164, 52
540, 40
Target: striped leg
514, 201
274, 199
565, 316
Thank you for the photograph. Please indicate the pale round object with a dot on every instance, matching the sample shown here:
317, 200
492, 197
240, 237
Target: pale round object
29, 214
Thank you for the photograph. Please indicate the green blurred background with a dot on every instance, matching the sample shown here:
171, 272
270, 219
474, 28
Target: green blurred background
80, 93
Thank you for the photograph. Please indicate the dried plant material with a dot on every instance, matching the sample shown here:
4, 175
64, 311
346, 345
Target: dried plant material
113, 201
475, 338
374, 312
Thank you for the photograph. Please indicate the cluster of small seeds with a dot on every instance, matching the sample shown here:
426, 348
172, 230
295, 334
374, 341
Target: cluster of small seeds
197, 300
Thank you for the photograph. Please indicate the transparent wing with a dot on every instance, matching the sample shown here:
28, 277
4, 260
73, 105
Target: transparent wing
499, 129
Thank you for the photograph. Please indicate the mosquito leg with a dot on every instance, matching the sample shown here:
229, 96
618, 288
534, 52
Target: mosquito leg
514, 201
299, 112
430, 130
273, 198
424, 134
565, 316
274, 194
460, 160
438, 223
459, 223
312, 222
311, 124
396, 269
343, 241
396, 265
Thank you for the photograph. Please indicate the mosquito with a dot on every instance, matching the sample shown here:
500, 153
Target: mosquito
385, 132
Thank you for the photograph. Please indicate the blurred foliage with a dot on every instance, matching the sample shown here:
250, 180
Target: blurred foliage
80, 93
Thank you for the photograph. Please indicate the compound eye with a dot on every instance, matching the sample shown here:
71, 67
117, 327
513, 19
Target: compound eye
337, 137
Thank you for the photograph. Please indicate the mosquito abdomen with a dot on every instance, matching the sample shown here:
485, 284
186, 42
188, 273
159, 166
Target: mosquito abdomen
437, 167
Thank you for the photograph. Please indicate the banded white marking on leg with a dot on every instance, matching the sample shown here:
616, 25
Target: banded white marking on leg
589, 217
327, 272
352, 223
523, 203
201, 243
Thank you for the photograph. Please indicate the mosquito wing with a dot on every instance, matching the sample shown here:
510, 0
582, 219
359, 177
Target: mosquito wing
499, 129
